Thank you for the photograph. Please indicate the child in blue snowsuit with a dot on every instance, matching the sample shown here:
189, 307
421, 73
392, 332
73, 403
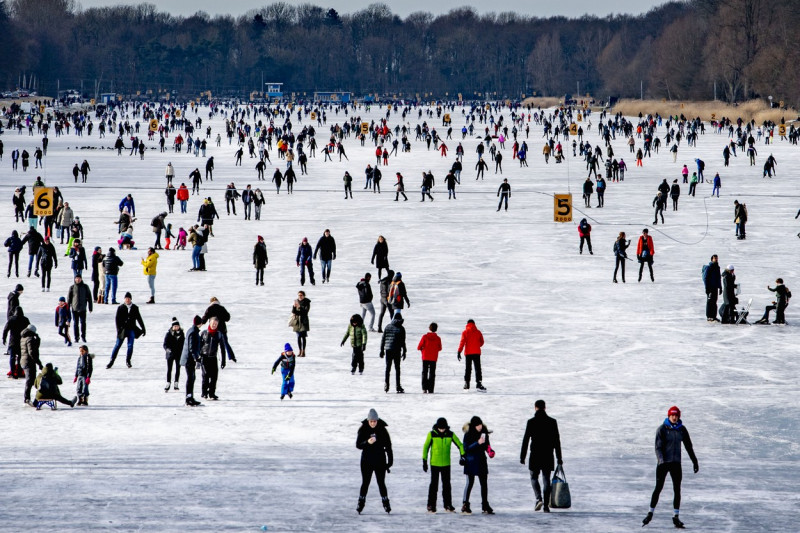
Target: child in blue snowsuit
63, 316
287, 362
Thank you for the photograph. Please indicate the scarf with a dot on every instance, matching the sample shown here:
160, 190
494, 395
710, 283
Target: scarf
670, 425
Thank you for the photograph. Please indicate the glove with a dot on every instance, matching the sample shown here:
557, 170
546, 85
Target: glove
424, 465
287, 379
388, 471
222, 365
490, 452
382, 354
342, 344
560, 462
88, 380
462, 461
522, 461
75, 379
41, 367
404, 356
459, 356
409, 305
144, 333
696, 468
273, 370
298, 263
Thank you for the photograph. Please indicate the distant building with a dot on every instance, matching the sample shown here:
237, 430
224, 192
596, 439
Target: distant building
332, 96
274, 90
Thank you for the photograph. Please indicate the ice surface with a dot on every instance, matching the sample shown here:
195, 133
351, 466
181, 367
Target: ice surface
608, 358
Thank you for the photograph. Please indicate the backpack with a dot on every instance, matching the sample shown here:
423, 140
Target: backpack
704, 271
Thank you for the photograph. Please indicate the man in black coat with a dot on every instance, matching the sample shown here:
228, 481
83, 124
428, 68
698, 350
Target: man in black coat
216, 310
12, 333
365, 299
393, 346
79, 298
542, 432
712, 279
129, 326
190, 359
326, 248
13, 300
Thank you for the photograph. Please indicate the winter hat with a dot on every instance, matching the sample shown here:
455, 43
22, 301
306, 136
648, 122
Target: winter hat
729, 267
305, 239
476, 421
128, 295
197, 320
398, 275
373, 415
62, 299
175, 322
674, 411
98, 249
19, 288
31, 328
442, 423
287, 347
260, 238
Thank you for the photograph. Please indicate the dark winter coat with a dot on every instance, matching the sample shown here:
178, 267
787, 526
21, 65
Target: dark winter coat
729, 288
46, 257
304, 254
12, 332
79, 297
127, 320
47, 383
380, 255
542, 433
13, 243
364, 291
379, 454
216, 310
621, 248
326, 247
173, 343
712, 279
84, 367
34, 240
190, 353
206, 214
97, 259
260, 259
210, 343
668, 443
29, 348
13, 304
111, 263
394, 336
475, 453
78, 256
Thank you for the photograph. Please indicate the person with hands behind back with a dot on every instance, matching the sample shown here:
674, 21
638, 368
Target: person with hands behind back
393, 346
376, 457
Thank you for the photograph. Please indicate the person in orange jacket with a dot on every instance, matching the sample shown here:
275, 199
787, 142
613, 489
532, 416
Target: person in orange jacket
471, 342
644, 253
183, 196
430, 345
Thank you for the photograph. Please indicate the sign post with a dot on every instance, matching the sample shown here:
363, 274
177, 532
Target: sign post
562, 208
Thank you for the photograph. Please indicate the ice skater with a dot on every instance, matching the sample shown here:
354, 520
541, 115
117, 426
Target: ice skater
287, 362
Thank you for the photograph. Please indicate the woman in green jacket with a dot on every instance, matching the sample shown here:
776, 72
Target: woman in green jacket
438, 443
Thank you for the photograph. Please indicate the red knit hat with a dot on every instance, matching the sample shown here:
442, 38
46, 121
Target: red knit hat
674, 411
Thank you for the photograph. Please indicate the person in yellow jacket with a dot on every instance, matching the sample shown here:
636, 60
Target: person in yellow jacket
438, 442
149, 263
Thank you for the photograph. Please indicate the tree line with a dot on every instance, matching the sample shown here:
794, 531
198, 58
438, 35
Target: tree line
699, 49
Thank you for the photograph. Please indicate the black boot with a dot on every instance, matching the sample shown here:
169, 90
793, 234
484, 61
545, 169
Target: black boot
465, 508
677, 522
361, 501
647, 519
487, 509
386, 506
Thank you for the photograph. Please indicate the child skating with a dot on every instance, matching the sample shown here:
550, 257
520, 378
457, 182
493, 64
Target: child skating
358, 340
287, 362
83, 374
63, 315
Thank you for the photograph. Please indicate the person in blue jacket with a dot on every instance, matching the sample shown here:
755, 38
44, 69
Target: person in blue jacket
190, 358
476, 447
287, 362
669, 437
128, 202
14, 245
304, 260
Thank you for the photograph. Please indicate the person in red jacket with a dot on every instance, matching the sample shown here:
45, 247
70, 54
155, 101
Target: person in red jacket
430, 345
183, 196
471, 342
644, 253
585, 233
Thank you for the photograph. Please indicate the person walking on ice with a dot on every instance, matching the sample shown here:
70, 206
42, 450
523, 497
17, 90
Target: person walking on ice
287, 362
438, 444
669, 437
644, 253
542, 433
376, 457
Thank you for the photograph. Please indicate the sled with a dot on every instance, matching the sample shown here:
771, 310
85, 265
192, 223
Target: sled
39, 403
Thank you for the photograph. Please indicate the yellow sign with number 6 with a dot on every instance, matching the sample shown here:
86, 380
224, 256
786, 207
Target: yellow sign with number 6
562, 208
43, 201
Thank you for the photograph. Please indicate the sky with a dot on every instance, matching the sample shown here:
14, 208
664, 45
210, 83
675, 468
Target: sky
568, 8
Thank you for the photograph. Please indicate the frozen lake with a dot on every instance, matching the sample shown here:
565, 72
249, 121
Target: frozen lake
609, 359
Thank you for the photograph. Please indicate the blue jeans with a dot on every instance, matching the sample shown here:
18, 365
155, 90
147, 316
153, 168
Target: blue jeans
196, 256
131, 337
83, 388
286, 386
183, 206
31, 259
326, 268
111, 288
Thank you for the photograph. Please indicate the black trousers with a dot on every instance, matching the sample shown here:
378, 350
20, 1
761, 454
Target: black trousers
649, 265
79, 324
259, 275
675, 472
620, 262
711, 303
484, 481
358, 359
433, 488
210, 373
176, 361
393, 358
384, 307
473, 360
366, 478
429, 377
189, 368
588, 240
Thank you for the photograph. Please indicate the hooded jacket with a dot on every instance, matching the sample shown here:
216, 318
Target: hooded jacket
430, 345
111, 263
474, 452
13, 243
471, 340
394, 336
438, 444
29, 348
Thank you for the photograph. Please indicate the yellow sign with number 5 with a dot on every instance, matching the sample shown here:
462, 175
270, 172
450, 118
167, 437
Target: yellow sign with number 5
562, 208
